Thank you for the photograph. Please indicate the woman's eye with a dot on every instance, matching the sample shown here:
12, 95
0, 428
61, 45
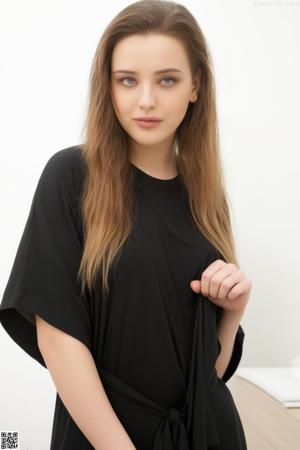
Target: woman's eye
122, 79
167, 78
170, 78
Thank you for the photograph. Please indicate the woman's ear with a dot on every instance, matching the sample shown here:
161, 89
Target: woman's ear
196, 85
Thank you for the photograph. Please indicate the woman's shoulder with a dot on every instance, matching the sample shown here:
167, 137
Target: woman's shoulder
60, 183
66, 164
63, 173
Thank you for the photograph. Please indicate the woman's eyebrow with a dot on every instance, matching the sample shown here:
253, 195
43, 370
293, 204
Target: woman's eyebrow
158, 71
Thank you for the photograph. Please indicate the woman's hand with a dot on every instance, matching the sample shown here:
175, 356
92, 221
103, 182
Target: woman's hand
225, 285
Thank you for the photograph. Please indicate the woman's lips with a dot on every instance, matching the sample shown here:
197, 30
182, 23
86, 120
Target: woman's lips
148, 123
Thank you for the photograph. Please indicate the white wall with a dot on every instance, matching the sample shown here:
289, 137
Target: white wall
46, 53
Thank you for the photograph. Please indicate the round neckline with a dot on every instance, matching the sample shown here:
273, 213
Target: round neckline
150, 177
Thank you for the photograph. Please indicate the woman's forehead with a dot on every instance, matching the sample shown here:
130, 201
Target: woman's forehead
156, 52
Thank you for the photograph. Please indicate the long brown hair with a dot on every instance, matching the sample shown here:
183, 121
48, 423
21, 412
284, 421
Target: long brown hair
107, 196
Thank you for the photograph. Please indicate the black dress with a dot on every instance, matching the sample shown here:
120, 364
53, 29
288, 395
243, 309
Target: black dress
153, 339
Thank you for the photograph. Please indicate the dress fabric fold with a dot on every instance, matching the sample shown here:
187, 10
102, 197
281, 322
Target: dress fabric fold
195, 417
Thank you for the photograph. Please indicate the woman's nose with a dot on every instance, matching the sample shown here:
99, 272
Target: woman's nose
146, 98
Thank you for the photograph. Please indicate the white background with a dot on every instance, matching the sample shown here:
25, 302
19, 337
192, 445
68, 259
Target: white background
46, 51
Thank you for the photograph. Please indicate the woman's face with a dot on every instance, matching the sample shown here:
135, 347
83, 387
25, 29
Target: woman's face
148, 93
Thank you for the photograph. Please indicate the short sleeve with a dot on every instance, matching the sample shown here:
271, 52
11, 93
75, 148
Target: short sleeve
236, 352
43, 278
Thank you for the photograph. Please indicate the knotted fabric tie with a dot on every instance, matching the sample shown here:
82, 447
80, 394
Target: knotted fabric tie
171, 433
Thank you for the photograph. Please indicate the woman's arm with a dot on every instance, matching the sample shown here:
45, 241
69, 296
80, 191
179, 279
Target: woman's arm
79, 386
227, 328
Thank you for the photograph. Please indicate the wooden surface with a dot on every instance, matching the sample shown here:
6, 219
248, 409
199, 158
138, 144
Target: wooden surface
268, 425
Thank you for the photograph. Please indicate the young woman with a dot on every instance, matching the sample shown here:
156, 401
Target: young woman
126, 284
